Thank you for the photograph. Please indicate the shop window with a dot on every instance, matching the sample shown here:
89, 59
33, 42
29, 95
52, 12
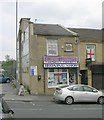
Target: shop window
57, 78
72, 78
64, 70
68, 47
52, 48
51, 70
56, 70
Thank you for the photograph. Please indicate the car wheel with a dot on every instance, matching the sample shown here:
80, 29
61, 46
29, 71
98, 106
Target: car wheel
69, 100
101, 100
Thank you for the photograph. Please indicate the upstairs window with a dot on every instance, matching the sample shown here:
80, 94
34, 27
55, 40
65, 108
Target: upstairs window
68, 47
52, 47
90, 52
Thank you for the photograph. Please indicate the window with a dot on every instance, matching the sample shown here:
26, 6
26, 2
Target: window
88, 89
68, 47
57, 78
64, 70
77, 88
90, 52
52, 48
22, 37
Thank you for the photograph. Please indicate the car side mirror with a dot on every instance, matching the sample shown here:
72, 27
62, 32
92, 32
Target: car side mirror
95, 90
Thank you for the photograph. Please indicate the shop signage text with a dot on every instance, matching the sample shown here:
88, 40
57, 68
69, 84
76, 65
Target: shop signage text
60, 65
61, 59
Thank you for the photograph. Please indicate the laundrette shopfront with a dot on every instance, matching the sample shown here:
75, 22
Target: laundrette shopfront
61, 70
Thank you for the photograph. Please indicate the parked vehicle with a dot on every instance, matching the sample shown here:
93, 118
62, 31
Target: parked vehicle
78, 93
5, 111
4, 79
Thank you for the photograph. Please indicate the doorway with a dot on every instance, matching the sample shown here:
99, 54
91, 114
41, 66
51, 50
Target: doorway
84, 77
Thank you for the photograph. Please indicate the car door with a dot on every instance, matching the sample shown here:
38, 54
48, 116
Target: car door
90, 94
78, 93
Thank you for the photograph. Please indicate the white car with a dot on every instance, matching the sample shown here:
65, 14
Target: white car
78, 93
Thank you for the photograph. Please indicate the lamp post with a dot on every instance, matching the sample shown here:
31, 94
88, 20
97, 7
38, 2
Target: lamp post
17, 83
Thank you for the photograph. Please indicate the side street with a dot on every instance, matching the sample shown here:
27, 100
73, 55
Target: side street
10, 94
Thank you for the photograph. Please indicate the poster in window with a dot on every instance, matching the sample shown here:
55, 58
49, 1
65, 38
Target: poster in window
71, 78
51, 81
56, 79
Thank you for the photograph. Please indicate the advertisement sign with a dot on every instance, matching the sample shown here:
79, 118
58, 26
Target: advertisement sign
60, 59
33, 70
49, 65
60, 62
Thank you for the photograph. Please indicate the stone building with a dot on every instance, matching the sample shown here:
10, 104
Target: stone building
48, 56
91, 46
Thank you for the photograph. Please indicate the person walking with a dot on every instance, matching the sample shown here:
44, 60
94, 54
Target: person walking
21, 90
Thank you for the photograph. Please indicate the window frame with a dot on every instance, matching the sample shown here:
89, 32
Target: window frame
66, 46
91, 46
52, 42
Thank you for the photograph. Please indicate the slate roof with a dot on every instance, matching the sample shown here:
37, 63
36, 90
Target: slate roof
52, 30
88, 34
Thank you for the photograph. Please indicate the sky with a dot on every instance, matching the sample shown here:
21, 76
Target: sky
69, 13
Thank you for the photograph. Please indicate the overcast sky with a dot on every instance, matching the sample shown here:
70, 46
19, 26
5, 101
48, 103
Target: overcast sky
69, 13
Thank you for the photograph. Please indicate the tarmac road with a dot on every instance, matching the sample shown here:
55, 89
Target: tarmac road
31, 106
54, 110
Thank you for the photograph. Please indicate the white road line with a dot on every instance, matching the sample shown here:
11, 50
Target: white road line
38, 109
87, 108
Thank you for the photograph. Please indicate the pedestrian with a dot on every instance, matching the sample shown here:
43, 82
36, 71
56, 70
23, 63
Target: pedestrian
21, 90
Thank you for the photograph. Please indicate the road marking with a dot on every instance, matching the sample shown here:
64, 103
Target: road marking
38, 109
86, 108
33, 104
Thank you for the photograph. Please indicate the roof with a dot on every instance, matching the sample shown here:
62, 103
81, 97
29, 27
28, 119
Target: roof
52, 30
88, 34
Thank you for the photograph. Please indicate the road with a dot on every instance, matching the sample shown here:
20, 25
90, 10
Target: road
50, 109
55, 110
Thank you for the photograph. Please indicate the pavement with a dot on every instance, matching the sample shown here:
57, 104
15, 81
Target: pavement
10, 95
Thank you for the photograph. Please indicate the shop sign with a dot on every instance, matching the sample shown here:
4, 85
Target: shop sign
50, 65
60, 59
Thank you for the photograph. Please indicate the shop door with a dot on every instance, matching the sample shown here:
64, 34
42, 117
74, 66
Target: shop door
72, 78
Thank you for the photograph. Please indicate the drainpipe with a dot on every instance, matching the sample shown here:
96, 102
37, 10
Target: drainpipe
78, 69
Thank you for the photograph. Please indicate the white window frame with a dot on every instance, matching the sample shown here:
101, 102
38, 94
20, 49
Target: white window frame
52, 44
91, 46
70, 46
52, 83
